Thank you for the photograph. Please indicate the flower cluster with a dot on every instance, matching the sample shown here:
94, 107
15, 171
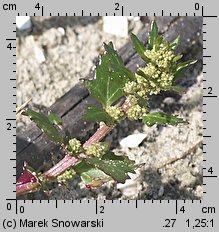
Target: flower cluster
97, 149
115, 112
157, 75
161, 56
75, 146
136, 112
66, 176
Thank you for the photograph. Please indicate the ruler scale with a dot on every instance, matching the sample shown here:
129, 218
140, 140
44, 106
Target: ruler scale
108, 215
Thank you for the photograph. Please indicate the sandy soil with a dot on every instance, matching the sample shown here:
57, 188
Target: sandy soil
170, 157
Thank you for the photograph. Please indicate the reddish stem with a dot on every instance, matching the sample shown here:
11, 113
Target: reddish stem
104, 130
98, 135
69, 161
27, 188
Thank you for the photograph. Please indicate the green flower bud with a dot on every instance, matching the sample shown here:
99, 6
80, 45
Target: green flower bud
66, 176
136, 112
162, 57
132, 99
131, 87
97, 149
115, 112
75, 145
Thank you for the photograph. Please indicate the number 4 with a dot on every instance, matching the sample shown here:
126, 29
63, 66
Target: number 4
9, 46
37, 6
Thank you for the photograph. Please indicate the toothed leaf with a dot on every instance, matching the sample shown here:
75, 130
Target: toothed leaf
109, 82
44, 123
91, 176
162, 118
116, 63
117, 167
96, 114
95, 178
54, 119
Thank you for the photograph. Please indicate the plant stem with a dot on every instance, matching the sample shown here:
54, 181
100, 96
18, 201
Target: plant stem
101, 132
27, 188
104, 129
69, 161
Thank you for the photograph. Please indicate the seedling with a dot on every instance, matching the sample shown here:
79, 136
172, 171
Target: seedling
122, 94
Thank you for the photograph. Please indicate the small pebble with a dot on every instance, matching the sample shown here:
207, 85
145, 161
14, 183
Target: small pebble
116, 25
23, 22
61, 30
132, 141
39, 55
169, 101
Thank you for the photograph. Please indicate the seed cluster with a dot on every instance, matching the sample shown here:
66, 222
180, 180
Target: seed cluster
96, 149
115, 112
136, 112
161, 56
157, 75
66, 176
75, 146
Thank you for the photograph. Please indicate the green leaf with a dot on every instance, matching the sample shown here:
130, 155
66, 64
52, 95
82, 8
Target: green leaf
142, 102
185, 64
176, 58
152, 35
175, 43
175, 88
139, 47
54, 119
81, 167
116, 63
91, 176
161, 118
179, 74
43, 123
181, 68
148, 78
109, 83
158, 42
96, 114
115, 166
95, 178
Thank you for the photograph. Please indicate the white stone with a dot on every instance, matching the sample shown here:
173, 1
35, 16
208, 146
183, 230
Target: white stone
116, 25
132, 141
23, 22
61, 30
39, 55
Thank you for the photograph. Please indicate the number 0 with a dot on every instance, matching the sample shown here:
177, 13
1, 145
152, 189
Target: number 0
9, 206
196, 6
